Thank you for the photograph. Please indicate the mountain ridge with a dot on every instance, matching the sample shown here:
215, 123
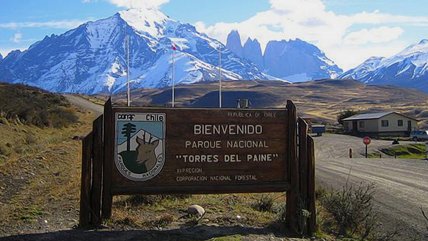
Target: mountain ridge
408, 68
292, 60
91, 58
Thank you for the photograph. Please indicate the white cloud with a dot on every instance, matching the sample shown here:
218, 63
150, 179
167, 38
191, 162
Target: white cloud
139, 3
62, 24
373, 35
16, 38
311, 21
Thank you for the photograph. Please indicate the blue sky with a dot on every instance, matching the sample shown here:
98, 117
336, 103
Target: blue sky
341, 28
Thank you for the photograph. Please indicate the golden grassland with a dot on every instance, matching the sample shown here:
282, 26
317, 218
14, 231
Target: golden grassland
321, 100
40, 176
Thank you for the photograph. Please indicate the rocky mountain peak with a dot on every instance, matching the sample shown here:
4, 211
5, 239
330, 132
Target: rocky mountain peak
253, 52
234, 43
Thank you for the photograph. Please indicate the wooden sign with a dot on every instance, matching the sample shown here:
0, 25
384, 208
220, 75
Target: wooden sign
202, 150
197, 151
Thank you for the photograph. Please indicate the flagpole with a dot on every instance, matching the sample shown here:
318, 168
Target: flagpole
219, 73
128, 74
173, 77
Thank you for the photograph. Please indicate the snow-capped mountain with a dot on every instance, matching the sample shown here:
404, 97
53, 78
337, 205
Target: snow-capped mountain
364, 69
1, 57
409, 68
92, 58
294, 60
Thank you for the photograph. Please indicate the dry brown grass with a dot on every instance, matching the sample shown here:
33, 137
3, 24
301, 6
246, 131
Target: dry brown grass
41, 177
321, 100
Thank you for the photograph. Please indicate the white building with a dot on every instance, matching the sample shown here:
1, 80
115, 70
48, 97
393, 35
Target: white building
380, 124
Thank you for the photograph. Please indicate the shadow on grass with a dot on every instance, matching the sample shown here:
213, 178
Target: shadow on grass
202, 232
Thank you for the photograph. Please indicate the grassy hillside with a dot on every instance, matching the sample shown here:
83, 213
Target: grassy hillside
323, 100
39, 164
34, 106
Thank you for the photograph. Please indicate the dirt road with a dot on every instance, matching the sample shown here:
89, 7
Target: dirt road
85, 104
401, 184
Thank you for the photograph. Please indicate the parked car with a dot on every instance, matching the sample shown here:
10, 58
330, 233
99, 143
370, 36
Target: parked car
419, 135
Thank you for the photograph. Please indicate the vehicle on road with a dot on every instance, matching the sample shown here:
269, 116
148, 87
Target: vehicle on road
419, 135
318, 129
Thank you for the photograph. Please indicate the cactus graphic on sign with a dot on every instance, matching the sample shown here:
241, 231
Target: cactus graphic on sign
140, 145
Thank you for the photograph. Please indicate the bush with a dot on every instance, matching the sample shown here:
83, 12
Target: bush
5, 150
426, 218
353, 212
345, 114
30, 139
136, 200
62, 117
350, 207
263, 204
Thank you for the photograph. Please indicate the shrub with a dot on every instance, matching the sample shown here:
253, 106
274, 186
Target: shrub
30, 139
136, 200
426, 218
353, 212
350, 207
5, 150
163, 221
62, 117
345, 114
263, 204
280, 211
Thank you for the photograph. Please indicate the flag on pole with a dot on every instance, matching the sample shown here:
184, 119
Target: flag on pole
174, 48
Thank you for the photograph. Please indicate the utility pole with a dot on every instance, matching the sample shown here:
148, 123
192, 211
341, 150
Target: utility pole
173, 73
219, 74
127, 72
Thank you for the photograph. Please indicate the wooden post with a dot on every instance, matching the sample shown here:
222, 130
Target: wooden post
303, 174
97, 171
293, 194
312, 222
108, 159
85, 188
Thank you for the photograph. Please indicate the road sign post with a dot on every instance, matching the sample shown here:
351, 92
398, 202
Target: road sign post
367, 141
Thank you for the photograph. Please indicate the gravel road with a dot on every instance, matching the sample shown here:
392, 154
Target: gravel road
401, 184
85, 104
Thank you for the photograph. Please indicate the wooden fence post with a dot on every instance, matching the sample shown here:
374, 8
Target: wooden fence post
108, 159
312, 222
303, 174
97, 170
293, 193
86, 178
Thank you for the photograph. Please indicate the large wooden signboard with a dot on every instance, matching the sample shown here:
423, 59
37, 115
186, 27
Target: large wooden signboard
197, 151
